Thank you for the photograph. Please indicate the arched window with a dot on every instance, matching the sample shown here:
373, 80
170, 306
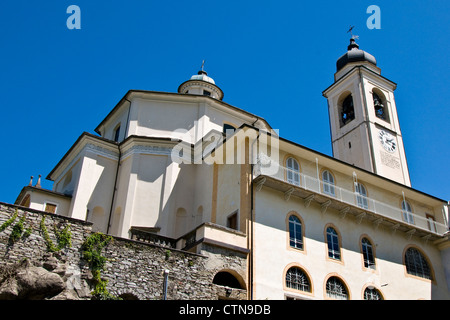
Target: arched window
347, 110
380, 105
334, 250
228, 129
367, 251
416, 264
361, 196
297, 279
293, 171
295, 232
336, 289
372, 294
328, 183
407, 212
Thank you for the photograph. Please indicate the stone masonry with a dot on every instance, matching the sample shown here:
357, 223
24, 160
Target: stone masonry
134, 270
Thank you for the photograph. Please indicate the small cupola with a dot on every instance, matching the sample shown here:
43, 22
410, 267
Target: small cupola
354, 54
201, 84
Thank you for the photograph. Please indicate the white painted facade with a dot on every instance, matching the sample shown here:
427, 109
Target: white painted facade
126, 178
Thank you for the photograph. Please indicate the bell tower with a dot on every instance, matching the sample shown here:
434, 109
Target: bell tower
365, 131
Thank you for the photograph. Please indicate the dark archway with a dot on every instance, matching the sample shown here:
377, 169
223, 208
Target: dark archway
224, 278
128, 296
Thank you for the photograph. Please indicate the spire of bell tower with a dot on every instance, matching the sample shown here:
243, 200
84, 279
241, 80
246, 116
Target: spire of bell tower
353, 57
352, 44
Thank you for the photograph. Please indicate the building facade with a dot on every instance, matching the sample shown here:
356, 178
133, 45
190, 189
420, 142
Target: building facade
192, 171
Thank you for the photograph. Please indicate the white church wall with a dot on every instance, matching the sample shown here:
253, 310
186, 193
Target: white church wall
94, 185
193, 120
117, 120
203, 192
228, 193
66, 183
101, 192
157, 118
149, 193
120, 201
273, 255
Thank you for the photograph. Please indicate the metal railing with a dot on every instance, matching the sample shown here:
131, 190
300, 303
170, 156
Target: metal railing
350, 197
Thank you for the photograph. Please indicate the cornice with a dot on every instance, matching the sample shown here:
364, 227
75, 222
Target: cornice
211, 86
85, 143
352, 72
189, 98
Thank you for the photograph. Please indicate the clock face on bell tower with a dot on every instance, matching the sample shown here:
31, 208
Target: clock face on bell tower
387, 141
365, 130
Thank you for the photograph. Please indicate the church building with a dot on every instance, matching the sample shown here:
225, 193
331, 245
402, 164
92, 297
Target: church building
189, 171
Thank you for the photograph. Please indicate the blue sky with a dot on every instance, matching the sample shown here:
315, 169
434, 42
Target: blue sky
271, 58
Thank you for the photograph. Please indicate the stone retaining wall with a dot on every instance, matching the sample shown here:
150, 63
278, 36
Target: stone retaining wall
133, 269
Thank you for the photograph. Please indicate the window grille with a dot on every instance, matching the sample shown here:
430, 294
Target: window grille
416, 264
372, 294
336, 289
297, 279
295, 232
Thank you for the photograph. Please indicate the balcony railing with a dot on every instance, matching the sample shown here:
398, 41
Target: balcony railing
153, 238
350, 197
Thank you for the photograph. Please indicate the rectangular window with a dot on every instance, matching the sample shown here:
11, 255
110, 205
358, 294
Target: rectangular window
206, 93
232, 221
50, 207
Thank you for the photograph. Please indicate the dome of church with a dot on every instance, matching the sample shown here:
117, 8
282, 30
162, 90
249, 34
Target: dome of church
201, 84
354, 54
203, 76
